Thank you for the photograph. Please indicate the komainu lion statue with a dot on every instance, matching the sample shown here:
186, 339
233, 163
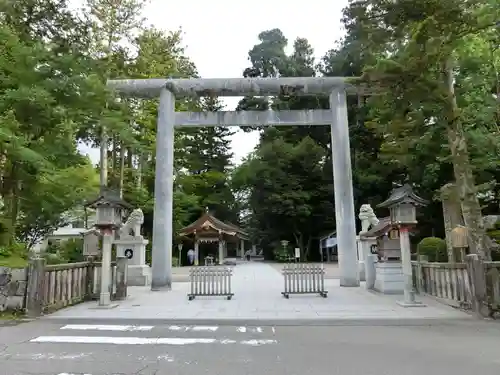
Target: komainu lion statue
367, 217
132, 227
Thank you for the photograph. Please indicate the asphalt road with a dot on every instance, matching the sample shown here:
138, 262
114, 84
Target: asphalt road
43, 347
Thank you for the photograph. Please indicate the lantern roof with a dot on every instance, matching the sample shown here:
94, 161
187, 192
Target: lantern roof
108, 197
403, 194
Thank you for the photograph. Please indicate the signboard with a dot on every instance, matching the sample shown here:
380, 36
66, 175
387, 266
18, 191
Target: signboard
129, 253
297, 252
393, 234
374, 249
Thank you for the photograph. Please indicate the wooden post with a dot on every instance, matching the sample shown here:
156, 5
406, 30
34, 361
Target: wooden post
477, 282
196, 252
36, 284
121, 278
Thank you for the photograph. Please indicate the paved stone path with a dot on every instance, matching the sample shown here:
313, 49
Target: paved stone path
257, 287
49, 348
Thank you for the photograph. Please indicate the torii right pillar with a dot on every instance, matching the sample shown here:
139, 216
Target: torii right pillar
344, 196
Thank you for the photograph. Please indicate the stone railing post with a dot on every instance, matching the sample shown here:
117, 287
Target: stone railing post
121, 278
89, 284
370, 273
422, 260
477, 281
36, 285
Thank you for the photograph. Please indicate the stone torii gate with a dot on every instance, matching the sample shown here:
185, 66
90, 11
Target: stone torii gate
168, 119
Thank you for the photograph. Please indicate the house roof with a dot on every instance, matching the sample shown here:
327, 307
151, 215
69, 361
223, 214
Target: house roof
327, 234
207, 221
72, 232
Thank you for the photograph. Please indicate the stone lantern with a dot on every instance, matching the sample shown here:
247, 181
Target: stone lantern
402, 205
110, 209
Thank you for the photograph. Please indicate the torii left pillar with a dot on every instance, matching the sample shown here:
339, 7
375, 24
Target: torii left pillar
164, 194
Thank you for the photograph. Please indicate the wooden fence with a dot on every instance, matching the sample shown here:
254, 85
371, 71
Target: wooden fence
473, 285
52, 287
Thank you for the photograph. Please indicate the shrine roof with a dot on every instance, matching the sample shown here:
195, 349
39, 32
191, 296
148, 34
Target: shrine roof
207, 221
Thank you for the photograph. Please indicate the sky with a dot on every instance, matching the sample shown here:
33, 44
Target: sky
218, 35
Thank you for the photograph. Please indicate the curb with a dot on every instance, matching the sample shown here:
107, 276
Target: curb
372, 322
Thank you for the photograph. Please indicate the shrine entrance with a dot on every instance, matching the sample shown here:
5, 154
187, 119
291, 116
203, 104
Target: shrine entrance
208, 230
336, 117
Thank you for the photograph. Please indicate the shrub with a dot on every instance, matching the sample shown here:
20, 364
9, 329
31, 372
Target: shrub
5, 231
53, 259
434, 248
15, 250
72, 250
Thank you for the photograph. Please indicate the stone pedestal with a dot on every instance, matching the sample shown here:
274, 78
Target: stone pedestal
389, 278
363, 246
134, 248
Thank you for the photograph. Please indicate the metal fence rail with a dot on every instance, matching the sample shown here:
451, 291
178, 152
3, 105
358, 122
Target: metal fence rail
304, 279
210, 281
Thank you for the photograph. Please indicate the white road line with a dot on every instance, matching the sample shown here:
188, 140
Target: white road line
204, 328
106, 327
143, 340
194, 328
258, 342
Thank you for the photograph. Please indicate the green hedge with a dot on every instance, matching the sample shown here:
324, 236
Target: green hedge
434, 248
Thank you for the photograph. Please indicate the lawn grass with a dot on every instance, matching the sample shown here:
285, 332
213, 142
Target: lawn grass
13, 262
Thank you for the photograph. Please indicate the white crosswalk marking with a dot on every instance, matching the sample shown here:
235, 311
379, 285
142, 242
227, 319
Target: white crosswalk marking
225, 335
105, 327
144, 340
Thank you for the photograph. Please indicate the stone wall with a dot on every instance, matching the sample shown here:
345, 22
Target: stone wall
12, 288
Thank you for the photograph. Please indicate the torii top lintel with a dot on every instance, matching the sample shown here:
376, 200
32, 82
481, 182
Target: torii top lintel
207, 222
182, 87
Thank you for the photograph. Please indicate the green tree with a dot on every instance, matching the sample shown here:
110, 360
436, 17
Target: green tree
275, 213
45, 89
286, 193
415, 77
207, 162
112, 25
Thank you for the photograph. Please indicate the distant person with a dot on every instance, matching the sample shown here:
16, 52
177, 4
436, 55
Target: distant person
247, 255
190, 255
